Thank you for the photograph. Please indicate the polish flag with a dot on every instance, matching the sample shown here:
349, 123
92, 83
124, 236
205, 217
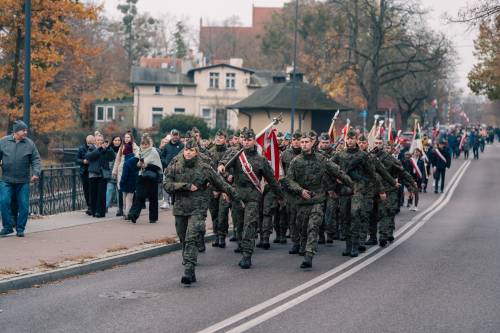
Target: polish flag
345, 130
462, 141
267, 145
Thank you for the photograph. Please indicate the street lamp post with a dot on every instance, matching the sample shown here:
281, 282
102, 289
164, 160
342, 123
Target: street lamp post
294, 95
27, 62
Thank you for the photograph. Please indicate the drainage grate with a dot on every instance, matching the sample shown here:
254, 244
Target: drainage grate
134, 294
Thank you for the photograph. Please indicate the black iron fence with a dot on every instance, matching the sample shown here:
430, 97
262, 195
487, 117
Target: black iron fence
58, 190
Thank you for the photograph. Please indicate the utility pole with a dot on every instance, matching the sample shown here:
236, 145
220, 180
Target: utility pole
27, 62
294, 94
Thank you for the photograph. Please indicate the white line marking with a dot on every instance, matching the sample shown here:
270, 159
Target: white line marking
274, 312
278, 298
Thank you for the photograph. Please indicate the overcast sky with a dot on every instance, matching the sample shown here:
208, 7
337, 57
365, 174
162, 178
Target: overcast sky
218, 10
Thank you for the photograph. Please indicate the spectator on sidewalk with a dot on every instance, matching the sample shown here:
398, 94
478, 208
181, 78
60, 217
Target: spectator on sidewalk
111, 188
84, 169
149, 176
170, 147
128, 146
21, 163
128, 178
99, 156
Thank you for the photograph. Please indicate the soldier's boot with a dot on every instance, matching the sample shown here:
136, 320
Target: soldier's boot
201, 244
222, 242
361, 246
245, 262
390, 239
307, 263
348, 248
321, 239
329, 238
355, 249
188, 277
295, 249
372, 240
265, 243
261, 242
283, 239
382, 242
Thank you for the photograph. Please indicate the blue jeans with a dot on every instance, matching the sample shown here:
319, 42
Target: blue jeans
21, 192
110, 193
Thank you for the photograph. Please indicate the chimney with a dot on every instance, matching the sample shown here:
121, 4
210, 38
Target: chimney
237, 62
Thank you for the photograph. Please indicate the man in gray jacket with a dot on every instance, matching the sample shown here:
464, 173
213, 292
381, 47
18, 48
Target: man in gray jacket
20, 162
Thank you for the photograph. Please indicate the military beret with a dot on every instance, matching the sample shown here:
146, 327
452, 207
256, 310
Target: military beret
351, 134
248, 134
312, 134
190, 144
221, 133
279, 135
297, 135
189, 134
288, 136
324, 136
309, 135
237, 133
362, 138
195, 130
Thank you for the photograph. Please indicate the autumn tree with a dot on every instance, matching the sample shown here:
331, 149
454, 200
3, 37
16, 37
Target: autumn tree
54, 44
484, 78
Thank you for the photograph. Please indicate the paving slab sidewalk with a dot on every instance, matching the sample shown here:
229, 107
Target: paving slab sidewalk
74, 236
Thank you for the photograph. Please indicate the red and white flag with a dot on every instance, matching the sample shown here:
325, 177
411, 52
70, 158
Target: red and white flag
416, 169
267, 145
462, 141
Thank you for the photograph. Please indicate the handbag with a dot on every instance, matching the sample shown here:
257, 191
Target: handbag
152, 176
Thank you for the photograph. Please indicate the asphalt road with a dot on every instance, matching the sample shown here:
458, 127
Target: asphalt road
441, 275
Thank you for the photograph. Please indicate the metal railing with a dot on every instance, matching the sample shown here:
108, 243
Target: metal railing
58, 190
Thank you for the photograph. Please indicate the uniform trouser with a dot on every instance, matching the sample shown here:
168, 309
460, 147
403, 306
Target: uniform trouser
219, 211
374, 217
344, 214
366, 214
291, 208
352, 224
309, 219
439, 175
330, 219
189, 228
247, 219
270, 215
281, 223
387, 210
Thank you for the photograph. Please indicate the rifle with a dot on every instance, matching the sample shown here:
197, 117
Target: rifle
275, 122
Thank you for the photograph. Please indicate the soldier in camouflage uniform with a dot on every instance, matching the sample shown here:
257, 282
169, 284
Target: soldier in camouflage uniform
357, 165
219, 205
326, 149
250, 193
306, 177
290, 198
188, 178
388, 209
371, 197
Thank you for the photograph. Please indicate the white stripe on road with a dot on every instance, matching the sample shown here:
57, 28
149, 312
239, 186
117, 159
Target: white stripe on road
272, 301
286, 306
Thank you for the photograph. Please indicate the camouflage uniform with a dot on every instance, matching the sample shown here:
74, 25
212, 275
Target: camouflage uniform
356, 164
219, 208
387, 209
328, 224
247, 217
290, 199
309, 171
190, 208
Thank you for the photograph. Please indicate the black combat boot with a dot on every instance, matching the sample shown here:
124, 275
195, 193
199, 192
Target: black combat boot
372, 241
295, 249
382, 242
355, 249
245, 262
348, 248
307, 263
222, 242
188, 277
321, 239
390, 239
265, 243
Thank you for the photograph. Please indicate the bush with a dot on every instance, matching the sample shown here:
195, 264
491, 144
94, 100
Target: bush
183, 123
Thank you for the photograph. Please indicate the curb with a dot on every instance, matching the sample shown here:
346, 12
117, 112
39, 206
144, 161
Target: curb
27, 281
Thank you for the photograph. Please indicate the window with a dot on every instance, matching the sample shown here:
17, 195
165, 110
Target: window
180, 90
99, 113
230, 80
157, 90
214, 80
206, 113
110, 113
157, 115
179, 110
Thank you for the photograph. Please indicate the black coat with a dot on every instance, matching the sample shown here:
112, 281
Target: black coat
99, 159
80, 156
437, 161
169, 151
